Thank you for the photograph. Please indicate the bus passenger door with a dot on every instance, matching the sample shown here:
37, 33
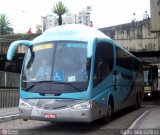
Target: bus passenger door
103, 66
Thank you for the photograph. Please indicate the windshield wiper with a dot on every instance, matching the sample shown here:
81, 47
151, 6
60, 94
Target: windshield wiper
54, 82
66, 83
39, 82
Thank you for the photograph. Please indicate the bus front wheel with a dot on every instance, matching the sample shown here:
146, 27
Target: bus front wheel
108, 116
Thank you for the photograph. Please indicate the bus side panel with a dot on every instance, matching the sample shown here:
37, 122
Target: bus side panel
130, 87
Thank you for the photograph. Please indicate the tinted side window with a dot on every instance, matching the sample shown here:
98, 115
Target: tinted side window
123, 59
136, 65
103, 61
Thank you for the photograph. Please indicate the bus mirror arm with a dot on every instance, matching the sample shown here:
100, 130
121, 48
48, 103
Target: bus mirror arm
14, 46
115, 74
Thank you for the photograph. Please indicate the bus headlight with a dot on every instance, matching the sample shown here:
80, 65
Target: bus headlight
81, 106
23, 104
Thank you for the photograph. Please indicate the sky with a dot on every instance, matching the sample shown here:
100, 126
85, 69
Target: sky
25, 14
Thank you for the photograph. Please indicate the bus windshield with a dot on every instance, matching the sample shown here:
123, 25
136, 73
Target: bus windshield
59, 62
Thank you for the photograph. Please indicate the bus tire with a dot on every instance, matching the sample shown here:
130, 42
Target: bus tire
108, 117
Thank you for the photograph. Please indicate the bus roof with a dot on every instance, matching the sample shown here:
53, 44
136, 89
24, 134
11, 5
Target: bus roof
70, 32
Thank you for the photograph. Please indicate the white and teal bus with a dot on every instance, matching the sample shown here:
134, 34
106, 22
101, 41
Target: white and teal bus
75, 73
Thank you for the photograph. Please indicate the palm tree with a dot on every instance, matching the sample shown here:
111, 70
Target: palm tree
60, 9
5, 25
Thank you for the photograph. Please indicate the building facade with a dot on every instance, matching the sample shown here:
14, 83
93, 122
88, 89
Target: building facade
48, 21
135, 36
83, 17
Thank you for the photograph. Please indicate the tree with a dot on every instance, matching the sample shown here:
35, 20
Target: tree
5, 25
38, 29
60, 9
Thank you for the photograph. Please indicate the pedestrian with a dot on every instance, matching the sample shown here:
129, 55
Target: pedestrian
29, 31
145, 15
134, 18
91, 24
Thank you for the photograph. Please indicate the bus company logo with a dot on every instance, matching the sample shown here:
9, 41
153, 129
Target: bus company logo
4, 131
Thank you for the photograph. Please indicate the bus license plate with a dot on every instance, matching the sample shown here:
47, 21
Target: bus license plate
49, 115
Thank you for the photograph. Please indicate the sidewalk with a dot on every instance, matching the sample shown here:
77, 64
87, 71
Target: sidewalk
7, 114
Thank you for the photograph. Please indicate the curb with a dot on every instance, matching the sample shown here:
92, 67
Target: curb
9, 117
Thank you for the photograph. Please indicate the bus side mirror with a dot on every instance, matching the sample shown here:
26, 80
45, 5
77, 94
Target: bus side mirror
14, 46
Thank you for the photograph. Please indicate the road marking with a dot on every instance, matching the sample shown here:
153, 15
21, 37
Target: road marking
140, 119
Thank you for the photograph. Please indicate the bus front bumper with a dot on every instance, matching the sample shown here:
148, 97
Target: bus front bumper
67, 114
